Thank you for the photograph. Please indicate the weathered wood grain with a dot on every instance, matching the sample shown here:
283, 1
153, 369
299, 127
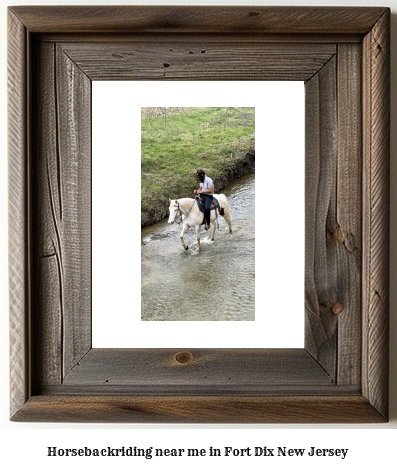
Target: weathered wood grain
73, 89
19, 240
322, 288
199, 409
347, 227
180, 39
199, 19
48, 295
376, 106
50, 261
214, 59
62, 208
249, 369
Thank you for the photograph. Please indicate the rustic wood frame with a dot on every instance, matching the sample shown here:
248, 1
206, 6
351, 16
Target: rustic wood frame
343, 56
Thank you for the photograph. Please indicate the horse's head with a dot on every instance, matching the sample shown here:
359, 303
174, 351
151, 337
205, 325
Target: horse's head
174, 210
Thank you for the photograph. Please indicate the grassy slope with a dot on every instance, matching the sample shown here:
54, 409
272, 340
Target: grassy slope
176, 143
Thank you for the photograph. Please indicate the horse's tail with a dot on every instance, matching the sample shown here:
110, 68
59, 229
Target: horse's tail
225, 210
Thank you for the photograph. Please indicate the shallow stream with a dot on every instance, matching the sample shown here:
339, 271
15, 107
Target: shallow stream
217, 284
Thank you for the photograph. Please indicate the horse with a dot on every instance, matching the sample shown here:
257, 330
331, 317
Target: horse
191, 216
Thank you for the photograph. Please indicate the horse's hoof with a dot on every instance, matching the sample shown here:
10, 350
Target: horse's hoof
186, 247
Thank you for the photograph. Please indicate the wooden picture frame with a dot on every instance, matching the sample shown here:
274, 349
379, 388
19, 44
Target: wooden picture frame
342, 54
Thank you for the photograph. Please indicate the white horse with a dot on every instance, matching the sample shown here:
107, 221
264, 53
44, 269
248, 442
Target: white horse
191, 216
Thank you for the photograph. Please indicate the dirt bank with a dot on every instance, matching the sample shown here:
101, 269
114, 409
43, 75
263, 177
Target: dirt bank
237, 167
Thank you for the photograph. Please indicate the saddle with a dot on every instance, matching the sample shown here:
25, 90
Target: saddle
214, 205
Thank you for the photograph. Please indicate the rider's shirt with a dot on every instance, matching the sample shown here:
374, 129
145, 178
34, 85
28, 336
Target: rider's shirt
207, 184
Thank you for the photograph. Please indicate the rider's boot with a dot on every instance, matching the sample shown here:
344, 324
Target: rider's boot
207, 218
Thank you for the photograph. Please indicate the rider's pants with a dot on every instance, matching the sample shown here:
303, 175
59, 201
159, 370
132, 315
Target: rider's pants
207, 205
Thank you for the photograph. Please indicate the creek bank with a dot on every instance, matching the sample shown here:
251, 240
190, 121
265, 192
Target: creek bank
237, 167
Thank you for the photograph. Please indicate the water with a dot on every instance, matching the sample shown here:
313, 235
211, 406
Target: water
216, 284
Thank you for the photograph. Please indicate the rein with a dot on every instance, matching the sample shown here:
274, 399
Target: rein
179, 211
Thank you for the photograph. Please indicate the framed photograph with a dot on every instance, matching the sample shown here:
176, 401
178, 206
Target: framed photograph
340, 375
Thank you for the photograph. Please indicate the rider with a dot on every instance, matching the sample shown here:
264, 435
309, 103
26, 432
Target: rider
206, 190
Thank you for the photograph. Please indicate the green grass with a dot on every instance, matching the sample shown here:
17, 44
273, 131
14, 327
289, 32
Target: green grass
175, 144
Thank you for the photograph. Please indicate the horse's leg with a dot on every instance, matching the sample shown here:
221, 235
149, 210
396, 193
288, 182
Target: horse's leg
213, 226
198, 229
227, 217
184, 229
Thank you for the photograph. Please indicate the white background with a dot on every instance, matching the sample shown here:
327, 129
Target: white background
23, 446
279, 214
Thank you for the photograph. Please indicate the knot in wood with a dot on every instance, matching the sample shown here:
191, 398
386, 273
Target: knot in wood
337, 308
338, 235
183, 358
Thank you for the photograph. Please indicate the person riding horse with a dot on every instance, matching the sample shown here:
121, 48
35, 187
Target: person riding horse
206, 190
